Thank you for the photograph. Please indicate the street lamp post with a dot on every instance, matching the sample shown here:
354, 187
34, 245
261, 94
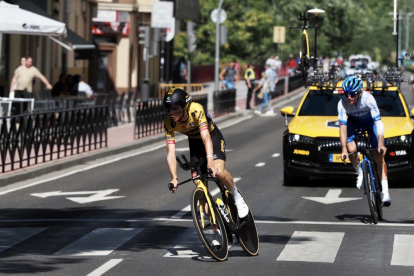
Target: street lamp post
316, 12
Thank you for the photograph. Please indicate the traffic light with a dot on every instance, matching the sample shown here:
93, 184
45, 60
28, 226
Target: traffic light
144, 36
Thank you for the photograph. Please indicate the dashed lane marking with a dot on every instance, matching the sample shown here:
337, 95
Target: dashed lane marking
276, 155
261, 164
105, 267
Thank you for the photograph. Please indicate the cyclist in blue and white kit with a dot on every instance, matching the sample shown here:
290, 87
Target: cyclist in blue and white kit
362, 111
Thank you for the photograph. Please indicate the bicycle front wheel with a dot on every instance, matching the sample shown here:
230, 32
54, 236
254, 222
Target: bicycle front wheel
369, 189
378, 194
213, 236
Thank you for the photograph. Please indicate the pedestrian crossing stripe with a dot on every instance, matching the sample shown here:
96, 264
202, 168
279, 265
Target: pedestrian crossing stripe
100, 242
12, 236
319, 247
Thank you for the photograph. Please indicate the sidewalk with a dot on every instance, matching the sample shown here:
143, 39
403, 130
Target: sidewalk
120, 140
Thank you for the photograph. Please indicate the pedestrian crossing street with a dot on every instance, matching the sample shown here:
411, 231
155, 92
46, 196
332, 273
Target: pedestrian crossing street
301, 246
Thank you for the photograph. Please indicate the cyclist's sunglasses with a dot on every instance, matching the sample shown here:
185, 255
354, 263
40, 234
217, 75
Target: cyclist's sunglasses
174, 108
350, 94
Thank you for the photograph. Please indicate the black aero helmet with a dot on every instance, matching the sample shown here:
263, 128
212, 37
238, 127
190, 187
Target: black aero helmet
177, 96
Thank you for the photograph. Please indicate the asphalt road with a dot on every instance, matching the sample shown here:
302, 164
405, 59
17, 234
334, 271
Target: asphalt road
116, 216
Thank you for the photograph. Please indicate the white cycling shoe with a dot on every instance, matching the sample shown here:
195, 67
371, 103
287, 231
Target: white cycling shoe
242, 208
386, 200
360, 182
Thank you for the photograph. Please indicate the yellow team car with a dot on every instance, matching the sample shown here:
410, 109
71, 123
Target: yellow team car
311, 144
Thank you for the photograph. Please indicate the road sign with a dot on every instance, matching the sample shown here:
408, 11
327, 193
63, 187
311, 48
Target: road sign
214, 14
95, 195
162, 13
332, 197
279, 34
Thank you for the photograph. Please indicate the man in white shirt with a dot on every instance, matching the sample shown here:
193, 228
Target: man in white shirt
271, 62
84, 87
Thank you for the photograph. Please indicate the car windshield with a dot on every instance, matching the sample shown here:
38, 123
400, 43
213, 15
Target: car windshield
359, 63
325, 103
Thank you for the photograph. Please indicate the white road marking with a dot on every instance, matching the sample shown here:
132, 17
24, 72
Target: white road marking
182, 149
403, 250
7, 189
100, 242
96, 195
189, 247
260, 164
319, 247
332, 197
187, 209
105, 267
12, 236
276, 155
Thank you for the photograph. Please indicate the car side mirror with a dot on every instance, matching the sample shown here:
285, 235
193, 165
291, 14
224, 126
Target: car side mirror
287, 112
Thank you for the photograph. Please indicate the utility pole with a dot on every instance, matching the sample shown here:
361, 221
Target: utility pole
217, 60
407, 31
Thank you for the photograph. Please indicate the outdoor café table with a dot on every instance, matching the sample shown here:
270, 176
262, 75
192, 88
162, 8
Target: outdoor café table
17, 100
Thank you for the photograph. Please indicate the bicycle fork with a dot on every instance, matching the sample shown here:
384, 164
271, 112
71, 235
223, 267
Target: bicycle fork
371, 174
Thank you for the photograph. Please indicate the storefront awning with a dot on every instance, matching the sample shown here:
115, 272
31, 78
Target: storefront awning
73, 42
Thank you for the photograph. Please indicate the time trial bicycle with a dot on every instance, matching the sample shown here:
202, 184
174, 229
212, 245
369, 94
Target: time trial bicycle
372, 184
304, 53
216, 219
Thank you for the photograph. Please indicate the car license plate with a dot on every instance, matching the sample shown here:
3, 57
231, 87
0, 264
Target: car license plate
336, 158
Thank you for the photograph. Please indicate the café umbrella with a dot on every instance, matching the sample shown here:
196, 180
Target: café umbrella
14, 20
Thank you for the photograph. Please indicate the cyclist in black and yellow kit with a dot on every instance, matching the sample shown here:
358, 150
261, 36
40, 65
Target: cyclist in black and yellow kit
204, 138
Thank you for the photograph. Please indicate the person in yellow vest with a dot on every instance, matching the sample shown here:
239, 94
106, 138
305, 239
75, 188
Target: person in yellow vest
250, 77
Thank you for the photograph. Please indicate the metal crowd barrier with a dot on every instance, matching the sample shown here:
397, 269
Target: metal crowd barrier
149, 116
224, 102
36, 138
165, 87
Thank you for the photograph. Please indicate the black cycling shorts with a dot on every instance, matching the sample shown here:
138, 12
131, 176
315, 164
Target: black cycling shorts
198, 149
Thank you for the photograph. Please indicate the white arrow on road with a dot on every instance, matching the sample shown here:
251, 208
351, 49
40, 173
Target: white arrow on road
96, 195
332, 197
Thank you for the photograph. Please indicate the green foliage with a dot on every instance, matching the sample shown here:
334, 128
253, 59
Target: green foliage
348, 27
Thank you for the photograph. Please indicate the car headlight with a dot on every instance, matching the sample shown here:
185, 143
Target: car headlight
404, 140
296, 138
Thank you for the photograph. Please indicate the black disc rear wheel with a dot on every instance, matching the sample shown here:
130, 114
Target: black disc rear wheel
247, 235
371, 196
213, 236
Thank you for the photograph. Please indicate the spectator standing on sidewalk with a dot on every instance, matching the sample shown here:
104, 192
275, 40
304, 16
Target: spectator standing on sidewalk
24, 77
291, 64
229, 76
278, 64
250, 77
180, 71
271, 61
265, 86
272, 78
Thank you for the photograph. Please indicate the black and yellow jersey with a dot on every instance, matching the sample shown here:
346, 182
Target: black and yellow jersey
197, 121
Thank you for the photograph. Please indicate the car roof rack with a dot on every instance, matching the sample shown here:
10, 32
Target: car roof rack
323, 80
